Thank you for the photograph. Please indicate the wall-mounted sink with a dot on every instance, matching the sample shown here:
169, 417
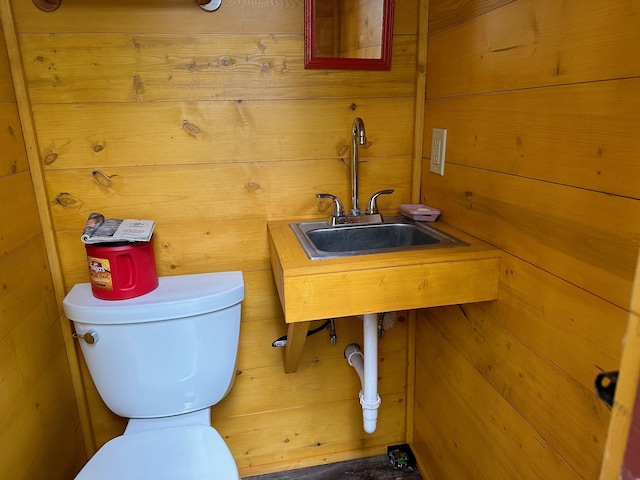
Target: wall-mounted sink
395, 234
348, 284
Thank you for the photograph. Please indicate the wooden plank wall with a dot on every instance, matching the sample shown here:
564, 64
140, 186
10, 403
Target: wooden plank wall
361, 28
541, 100
40, 435
209, 124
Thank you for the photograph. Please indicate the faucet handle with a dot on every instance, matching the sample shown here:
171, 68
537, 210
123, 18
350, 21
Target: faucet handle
372, 205
338, 209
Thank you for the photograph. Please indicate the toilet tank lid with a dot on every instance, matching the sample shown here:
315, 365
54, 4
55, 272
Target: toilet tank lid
176, 297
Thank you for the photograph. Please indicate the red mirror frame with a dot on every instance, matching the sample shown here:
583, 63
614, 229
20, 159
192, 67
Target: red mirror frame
382, 63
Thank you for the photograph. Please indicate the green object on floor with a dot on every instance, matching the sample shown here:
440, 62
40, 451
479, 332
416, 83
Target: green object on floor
401, 457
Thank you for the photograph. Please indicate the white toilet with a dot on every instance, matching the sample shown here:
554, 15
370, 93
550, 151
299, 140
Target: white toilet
162, 360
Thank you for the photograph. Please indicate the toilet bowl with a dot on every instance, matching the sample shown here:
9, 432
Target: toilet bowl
196, 452
162, 360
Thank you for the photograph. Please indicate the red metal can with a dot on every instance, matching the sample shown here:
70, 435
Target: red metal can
121, 270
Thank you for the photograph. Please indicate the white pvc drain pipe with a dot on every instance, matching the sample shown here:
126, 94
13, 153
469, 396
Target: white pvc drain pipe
366, 365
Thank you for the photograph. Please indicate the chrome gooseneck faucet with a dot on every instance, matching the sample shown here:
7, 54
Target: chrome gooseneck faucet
358, 137
371, 215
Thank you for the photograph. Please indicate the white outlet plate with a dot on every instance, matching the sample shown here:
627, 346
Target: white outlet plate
438, 149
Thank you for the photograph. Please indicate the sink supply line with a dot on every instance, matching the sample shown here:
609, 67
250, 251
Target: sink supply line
386, 321
366, 365
333, 337
282, 341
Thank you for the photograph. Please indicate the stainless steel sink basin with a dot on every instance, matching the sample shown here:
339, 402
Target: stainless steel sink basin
395, 234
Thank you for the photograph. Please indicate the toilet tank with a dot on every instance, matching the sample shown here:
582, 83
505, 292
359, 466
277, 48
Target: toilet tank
168, 352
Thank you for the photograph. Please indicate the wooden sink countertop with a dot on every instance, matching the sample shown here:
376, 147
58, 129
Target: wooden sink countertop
379, 282
340, 287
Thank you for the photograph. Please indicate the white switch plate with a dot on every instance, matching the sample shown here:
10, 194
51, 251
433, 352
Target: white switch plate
438, 149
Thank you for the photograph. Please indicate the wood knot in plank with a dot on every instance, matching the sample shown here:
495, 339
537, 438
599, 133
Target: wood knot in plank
191, 128
342, 149
138, 87
102, 179
226, 61
67, 200
519, 142
252, 186
324, 205
468, 195
98, 148
194, 66
50, 158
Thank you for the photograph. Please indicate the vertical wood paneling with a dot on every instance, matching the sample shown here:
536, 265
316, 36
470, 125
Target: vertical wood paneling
621, 452
209, 124
539, 100
39, 424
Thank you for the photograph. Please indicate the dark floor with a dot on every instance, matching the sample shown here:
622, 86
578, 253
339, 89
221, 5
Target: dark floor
372, 468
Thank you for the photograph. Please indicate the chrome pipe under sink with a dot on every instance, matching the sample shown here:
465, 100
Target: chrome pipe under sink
394, 234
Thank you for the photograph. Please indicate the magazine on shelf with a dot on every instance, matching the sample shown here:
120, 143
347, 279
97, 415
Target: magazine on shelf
101, 230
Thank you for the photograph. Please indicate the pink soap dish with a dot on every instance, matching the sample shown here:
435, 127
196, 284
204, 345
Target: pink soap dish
419, 212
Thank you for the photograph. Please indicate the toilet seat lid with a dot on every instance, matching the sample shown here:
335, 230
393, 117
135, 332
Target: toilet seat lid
194, 452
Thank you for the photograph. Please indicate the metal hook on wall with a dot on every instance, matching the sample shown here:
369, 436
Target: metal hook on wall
606, 383
47, 5
209, 5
